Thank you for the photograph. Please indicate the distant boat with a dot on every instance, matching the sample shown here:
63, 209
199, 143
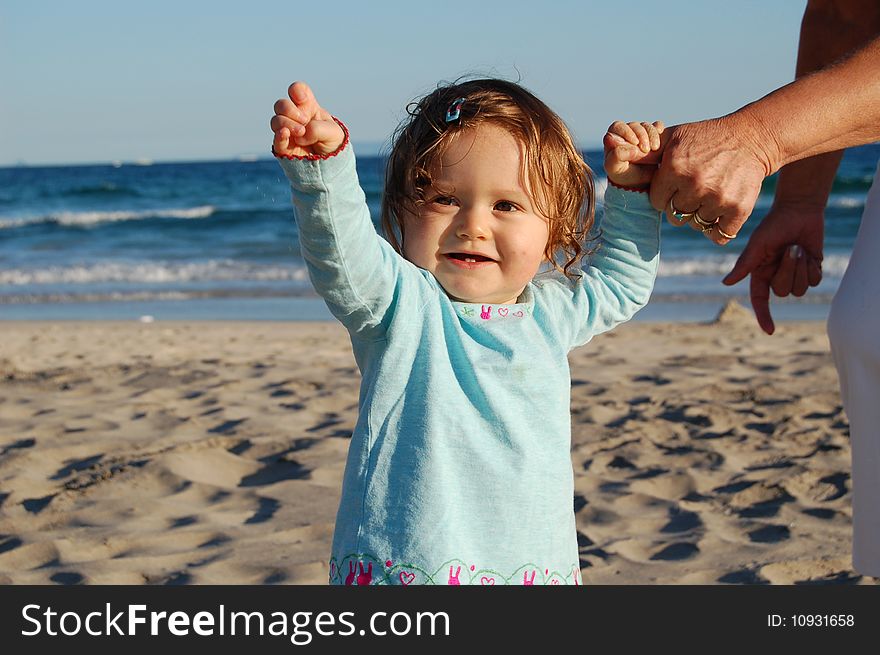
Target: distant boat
143, 162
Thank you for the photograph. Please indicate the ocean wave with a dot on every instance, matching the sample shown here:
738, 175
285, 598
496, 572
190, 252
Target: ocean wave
146, 296
847, 202
90, 218
832, 265
154, 273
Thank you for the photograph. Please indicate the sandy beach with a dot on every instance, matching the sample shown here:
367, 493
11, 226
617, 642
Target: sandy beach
207, 453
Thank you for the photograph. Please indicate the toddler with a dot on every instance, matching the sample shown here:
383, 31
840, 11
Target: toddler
459, 468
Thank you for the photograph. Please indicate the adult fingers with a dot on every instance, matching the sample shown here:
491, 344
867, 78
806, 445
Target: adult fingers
800, 282
783, 280
814, 271
749, 260
759, 293
729, 224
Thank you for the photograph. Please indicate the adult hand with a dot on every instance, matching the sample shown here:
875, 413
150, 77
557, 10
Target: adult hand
714, 168
784, 253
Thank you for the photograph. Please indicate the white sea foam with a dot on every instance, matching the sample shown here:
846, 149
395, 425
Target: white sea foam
87, 218
832, 265
153, 273
847, 202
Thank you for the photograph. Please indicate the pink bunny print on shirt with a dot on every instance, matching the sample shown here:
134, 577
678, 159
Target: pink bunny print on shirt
364, 579
486, 314
349, 579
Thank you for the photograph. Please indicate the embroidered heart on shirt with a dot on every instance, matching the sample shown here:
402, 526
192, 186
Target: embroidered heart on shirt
487, 581
407, 578
518, 314
503, 311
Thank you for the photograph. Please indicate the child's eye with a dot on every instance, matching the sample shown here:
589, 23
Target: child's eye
505, 206
444, 200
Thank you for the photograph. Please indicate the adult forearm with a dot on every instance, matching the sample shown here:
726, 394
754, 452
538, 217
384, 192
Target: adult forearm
830, 30
830, 109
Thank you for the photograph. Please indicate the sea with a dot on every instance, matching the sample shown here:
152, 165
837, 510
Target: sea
216, 240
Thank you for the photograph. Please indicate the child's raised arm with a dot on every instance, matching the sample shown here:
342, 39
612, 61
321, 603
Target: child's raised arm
356, 271
619, 275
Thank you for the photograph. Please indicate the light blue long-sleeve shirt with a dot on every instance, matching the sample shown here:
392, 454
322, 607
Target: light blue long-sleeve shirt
459, 469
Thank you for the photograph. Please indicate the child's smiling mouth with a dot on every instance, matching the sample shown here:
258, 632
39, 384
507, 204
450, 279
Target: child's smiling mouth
468, 259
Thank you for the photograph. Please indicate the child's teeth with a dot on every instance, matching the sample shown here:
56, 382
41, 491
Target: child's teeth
470, 259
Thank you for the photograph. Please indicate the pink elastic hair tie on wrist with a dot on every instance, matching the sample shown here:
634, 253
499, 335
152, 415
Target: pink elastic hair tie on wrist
643, 189
314, 157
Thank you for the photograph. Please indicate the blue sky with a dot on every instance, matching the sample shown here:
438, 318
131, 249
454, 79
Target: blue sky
97, 81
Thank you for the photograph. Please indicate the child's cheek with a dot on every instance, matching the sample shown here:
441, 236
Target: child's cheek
420, 248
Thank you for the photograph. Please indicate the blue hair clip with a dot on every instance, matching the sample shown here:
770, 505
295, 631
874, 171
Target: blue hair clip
454, 111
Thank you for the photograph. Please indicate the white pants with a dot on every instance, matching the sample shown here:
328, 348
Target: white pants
854, 330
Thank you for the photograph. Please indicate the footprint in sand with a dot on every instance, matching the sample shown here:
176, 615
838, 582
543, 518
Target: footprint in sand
265, 511
275, 578
818, 486
20, 444
676, 552
820, 513
218, 540
770, 534
182, 521
670, 486
689, 414
67, 578
37, 505
28, 557
681, 521
753, 499
227, 427
72, 466
810, 571
276, 468
743, 576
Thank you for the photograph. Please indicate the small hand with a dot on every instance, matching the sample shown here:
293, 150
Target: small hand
631, 152
784, 253
302, 127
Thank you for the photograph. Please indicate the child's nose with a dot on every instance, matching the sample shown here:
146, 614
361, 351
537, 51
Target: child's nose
472, 224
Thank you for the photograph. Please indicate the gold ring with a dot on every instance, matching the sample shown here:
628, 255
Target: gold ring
725, 234
702, 222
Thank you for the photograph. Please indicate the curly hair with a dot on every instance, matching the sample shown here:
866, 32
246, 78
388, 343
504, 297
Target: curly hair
558, 176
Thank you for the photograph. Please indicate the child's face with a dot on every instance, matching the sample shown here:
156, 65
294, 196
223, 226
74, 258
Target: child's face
479, 231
